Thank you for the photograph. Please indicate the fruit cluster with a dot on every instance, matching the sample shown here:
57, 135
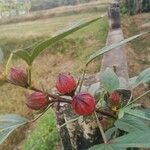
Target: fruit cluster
82, 103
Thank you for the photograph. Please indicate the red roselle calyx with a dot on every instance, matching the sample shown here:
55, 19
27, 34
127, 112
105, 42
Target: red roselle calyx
66, 84
19, 77
83, 103
115, 98
37, 101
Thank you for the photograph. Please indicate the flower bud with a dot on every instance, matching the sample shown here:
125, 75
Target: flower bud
66, 84
83, 104
18, 77
37, 101
115, 98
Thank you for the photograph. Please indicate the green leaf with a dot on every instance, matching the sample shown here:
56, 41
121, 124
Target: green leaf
110, 80
143, 77
132, 81
94, 88
24, 55
112, 46
143, 114
42, 46
138, 139
131, 123
110, 132
102, 147
1, 56
138, 113
8, 123
123, 110
29, 57
4, 134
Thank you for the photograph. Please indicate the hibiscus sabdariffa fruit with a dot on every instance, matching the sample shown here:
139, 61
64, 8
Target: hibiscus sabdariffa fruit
83, 103
115, 98
37, 101
19, 77
66, 84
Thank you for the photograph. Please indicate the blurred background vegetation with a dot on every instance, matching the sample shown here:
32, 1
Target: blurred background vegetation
24, 23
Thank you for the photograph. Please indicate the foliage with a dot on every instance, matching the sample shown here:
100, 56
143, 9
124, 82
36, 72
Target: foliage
45, 135
110, 80
133, 7
14, 7
134, 139
8, 123
29, 57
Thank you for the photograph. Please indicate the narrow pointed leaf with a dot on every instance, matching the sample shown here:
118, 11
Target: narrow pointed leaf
143, 77
42, 46
112, 46
24, 55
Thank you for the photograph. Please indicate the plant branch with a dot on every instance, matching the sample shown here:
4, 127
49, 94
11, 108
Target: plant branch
82, 79
7, 64
106, 113
55, 98
100, 128
29, 75
138, 98
130, 98
41, 114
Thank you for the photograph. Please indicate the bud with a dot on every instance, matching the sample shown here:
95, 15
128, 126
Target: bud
37, 101
66, 84
18, 77
83, 104
115, 98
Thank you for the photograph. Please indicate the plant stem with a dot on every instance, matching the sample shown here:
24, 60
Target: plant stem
139, 97
7, 64
106, 113
130, 97
29, 75
40, 114
55, 98
82, 79
100, 128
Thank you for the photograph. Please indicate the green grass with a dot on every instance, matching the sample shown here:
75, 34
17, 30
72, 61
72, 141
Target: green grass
44, 135
21, 35
134, 26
